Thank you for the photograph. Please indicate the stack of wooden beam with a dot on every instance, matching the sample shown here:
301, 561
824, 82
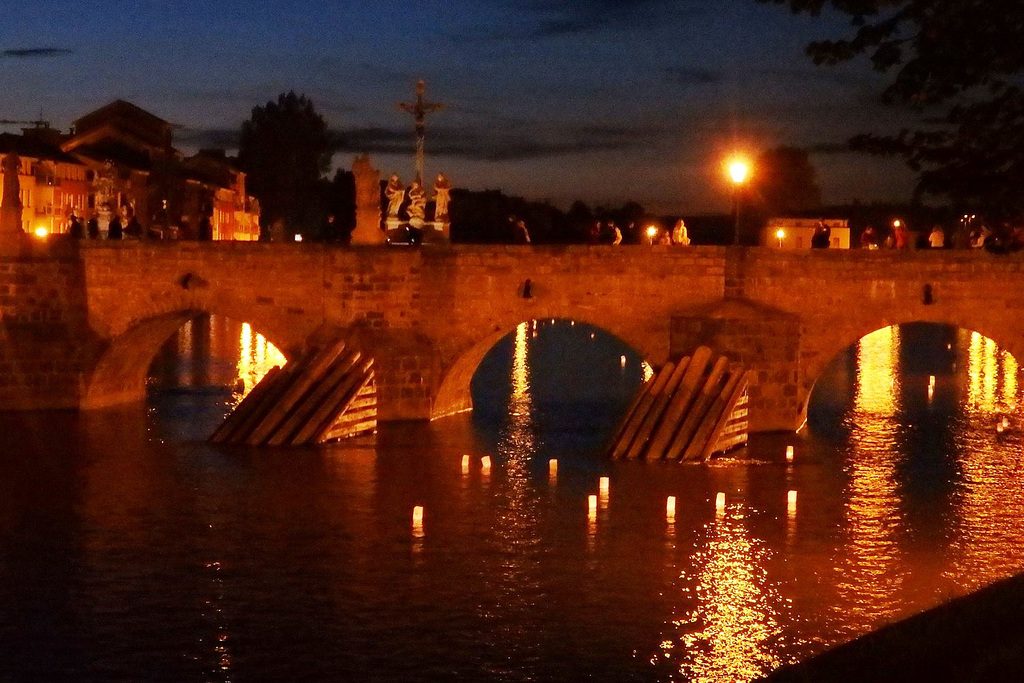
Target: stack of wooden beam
689, 410
325, 394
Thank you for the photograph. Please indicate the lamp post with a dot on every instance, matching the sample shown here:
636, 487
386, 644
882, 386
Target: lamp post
738, 172
781, 234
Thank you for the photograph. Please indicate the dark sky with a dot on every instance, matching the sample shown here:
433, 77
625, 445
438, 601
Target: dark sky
603, 100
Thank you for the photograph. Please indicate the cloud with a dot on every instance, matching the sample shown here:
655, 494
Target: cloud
691, 76
542, 141
35, 52
558, 18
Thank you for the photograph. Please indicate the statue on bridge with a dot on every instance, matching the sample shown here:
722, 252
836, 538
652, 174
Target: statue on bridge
10, 205
395, 192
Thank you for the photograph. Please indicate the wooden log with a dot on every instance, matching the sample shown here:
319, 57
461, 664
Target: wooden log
675, 413
707, 430
332, 405
318, 366
711, 388
622, 447
314, 398
737, 392
661, 401
361, 379
267, 401
644, 388
245, 407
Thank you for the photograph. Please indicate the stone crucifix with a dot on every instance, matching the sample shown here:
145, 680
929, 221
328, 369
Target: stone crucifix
419, 110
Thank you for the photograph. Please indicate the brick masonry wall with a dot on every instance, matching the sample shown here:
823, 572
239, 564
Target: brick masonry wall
428, 315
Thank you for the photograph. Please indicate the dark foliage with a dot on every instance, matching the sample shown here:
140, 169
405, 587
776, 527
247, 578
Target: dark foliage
963, 58
285, 148
785, 181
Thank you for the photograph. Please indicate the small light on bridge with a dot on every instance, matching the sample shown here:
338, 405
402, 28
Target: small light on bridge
897, 223
485, 464
622, 361
780, 234
591, 335
652, 232
789, 453
465, 464
670, 509
298, 238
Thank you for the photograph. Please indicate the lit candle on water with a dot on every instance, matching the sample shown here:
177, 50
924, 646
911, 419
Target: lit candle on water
417, 520
465, 464
670, 509
789, 453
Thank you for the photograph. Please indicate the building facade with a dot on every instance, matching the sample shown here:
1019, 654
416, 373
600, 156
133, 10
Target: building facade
119, 161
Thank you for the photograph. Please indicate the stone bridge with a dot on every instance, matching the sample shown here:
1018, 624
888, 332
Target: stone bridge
81, 323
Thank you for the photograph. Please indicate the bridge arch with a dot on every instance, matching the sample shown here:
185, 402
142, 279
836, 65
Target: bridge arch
119, 367
990, 326
453, 394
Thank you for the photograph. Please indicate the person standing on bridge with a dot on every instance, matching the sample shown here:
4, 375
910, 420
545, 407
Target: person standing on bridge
937, 238
114, 230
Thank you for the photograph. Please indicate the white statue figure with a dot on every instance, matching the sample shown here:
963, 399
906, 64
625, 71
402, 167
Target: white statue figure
442, 195
417, 202
395, 192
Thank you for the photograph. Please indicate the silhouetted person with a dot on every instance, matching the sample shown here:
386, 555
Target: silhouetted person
92, 228
133, 229
205, 231
114, 230
76, 229
819, 240
868, 238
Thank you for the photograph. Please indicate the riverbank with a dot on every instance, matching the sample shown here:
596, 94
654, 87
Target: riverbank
979, 637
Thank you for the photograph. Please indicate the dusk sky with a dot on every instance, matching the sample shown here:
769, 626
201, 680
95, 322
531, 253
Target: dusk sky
605, 100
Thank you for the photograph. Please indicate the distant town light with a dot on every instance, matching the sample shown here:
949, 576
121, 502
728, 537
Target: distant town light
41, 231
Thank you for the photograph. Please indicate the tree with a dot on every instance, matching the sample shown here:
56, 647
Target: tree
786, 181
285, 149
961, 58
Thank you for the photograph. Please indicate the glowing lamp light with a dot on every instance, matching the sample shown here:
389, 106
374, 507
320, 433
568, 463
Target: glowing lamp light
652, 231
789, 453
622, 361
670, 509
417, 520
298, 238
738, 171
465, 464
41, 232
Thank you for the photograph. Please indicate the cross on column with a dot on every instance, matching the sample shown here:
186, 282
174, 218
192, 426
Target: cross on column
419, 110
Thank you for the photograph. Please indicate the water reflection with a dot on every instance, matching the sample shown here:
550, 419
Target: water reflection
730, 627
869, 571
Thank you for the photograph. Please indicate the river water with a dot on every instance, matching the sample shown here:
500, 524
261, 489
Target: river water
130, 550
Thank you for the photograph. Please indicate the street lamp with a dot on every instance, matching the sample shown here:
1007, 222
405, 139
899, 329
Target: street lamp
652, 232
781, 234
738, 172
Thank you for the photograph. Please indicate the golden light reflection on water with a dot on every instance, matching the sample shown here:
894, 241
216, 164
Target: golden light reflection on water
988, 540
731, 631
256, 357
869, 574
